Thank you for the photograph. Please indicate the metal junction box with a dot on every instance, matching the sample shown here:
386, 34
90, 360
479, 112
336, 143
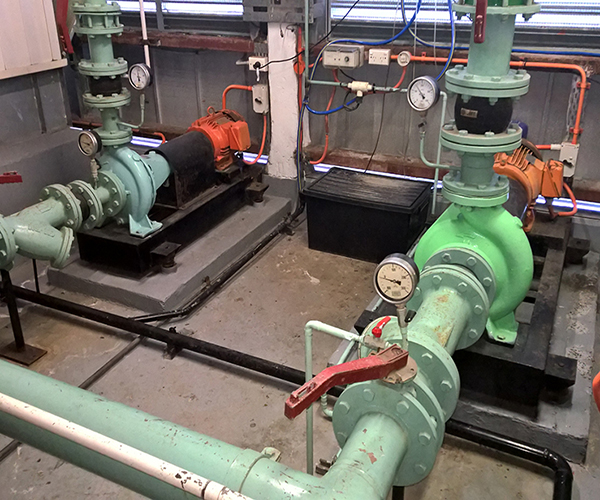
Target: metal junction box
276, 11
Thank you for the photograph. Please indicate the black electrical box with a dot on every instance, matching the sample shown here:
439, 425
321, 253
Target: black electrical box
365, 216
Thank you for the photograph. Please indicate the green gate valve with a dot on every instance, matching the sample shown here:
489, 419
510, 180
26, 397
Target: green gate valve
375, 366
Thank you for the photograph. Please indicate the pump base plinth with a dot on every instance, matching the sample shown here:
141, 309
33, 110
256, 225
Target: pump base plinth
503, 330
25, 356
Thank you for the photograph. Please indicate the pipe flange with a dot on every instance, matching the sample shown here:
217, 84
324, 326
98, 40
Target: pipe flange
413, 408
114, 68
119, 100
73, 215
514, 84
431, 358
8, 247
90, 198
484, 195
467, 285
471, 260
64, 253
488, 143
528, 8
117, 196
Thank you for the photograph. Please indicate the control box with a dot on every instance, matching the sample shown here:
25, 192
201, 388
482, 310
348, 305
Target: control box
260, 98
344, 56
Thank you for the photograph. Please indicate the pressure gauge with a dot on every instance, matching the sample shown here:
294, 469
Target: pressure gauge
396, 278
423, 93
89, 143
140, 76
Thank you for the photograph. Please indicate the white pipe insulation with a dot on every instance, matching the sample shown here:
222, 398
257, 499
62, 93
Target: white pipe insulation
136, 459
144, 34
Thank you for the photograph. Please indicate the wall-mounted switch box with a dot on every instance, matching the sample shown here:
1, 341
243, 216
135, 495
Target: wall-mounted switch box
380, 57
260, 98
258, 63
344, 56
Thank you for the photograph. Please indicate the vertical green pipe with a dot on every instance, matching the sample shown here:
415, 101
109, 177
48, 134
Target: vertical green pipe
492, 57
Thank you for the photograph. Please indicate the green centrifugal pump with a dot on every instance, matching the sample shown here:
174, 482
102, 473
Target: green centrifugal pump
124, 183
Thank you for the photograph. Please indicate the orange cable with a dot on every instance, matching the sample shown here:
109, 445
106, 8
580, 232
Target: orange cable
262, 144
326, 129
233, 87
397, 86
596, 390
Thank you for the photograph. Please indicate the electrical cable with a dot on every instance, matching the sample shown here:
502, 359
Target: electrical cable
326, 147
317, 43
453, 43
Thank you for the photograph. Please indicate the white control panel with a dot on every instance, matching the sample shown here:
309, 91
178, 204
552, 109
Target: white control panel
344, 56
380, 57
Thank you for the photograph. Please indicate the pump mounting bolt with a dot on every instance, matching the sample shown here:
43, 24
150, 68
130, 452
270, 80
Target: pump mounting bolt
426, 358
446, 386
424, 438
368, 395
115, 203
487, 282
420, 468
463, 287
344, 407
473, 333
402, 407
437, 280
489, 134
463, 132
478, 309
447, 257
471, 261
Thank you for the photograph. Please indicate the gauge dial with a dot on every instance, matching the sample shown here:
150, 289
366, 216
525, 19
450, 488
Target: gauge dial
140, 76
396, 278
423, 93
89, 143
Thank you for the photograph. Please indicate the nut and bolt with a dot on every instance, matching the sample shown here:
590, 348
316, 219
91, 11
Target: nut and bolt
424, 438
368, 395
446, 386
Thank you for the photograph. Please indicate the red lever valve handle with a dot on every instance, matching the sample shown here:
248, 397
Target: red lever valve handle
480, 20
372, 367
10, 178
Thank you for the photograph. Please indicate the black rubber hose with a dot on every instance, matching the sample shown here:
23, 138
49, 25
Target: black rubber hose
563, 475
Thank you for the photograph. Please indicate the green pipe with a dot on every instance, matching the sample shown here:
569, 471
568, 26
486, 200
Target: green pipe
355, 476
443, 316
477, 169
492, 57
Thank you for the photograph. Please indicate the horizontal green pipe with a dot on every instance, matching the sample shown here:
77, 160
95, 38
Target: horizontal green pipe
355, 476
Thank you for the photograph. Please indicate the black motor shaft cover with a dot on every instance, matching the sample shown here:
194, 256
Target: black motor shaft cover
478, 115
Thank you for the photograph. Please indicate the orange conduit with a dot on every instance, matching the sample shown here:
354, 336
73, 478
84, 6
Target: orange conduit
315, 162
262, 144
523, 64
543, 147
554, 214
233, 87
397, 86
596, 390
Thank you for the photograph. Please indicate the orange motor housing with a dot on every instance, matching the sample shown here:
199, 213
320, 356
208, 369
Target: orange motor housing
536, 177
227, 131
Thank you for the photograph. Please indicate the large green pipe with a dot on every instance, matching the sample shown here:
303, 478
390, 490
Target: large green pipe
365, 468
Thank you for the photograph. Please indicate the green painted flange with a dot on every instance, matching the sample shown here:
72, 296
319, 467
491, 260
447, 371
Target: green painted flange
514, 84
471, 260
475, 196
87, 192
488, 143
498, 7
68, 236
73, 216
465, 283
108, 102
117, 195
432, 359
112, 68
8, 247
401, 402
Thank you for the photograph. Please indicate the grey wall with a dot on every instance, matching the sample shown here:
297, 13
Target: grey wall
35, 138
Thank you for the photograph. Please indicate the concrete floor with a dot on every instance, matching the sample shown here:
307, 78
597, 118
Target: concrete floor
261, 312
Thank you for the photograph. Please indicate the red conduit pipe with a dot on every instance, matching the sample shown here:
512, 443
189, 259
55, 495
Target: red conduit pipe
262, 144
233, 87
596, 390
397, 86
315, 162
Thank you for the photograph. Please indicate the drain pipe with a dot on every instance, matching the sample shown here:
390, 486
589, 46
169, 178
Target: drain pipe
120, 452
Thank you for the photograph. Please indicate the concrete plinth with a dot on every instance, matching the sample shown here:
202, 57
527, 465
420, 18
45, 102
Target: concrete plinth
205, 258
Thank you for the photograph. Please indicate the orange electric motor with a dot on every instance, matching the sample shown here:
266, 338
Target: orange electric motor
536, 176
228, 132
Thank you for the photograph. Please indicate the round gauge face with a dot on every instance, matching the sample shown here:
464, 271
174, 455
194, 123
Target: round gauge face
396, 279
88, 143
139, 76
423, 93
